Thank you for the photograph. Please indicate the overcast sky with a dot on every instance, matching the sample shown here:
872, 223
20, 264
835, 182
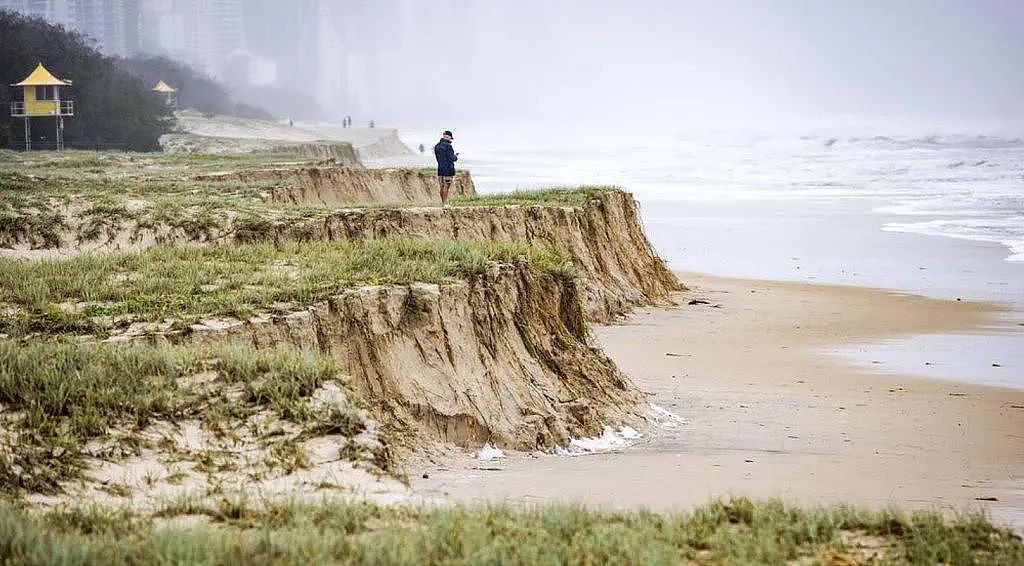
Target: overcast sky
699, 63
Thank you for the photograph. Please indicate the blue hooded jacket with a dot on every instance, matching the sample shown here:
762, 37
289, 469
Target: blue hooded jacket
446, 158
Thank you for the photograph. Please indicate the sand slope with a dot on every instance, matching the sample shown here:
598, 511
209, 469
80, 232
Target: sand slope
197, 132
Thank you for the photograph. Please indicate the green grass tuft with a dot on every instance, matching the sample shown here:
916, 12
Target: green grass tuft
554, 196
58, 396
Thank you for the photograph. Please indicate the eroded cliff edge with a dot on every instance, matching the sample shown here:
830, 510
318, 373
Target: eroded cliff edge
604, 236
504, 357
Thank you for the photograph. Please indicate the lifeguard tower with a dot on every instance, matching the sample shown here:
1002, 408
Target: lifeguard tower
41, 97
169, 93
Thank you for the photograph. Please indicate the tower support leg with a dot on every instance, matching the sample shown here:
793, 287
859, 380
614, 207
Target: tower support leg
28, 134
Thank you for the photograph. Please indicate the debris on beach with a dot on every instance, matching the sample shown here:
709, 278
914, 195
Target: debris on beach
609, 440
489, 452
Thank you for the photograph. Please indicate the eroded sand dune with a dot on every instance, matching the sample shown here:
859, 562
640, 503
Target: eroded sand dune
504, 358
604, 237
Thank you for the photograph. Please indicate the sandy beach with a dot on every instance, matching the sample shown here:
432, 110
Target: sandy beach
769, 414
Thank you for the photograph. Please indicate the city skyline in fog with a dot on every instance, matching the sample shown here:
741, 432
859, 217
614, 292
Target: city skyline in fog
689, 65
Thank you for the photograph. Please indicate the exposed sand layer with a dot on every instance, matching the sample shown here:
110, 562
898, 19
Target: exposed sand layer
604, 237
505, 358
768, 415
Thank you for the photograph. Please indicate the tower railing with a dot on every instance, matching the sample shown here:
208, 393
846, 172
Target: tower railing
64, 108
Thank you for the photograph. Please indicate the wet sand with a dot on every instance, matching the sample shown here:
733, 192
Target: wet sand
769, 414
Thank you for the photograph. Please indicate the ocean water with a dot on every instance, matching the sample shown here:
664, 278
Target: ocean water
939, 215
956, 186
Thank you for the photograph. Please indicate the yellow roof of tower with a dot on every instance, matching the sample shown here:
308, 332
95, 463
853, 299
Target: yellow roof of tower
41, 77
164, 87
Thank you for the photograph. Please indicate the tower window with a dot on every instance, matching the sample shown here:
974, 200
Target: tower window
46, 93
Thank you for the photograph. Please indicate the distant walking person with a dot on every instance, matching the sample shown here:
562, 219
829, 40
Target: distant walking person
446, 158
422, 149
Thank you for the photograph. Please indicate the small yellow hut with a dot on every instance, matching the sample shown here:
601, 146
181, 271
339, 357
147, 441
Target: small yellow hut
166, 91
41, 97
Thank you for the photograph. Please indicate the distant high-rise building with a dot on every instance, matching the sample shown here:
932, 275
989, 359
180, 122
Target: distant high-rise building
202, 33
287, 34
112, 24
46, 9
53, 11
221, 25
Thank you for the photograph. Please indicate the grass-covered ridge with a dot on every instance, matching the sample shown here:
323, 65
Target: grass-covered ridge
90, 195
50, 200
734, 532
59, 396
87, 293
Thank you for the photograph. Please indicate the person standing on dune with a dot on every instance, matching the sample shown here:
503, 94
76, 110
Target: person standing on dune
446, 158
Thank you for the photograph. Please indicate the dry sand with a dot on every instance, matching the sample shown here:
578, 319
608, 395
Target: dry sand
769, 415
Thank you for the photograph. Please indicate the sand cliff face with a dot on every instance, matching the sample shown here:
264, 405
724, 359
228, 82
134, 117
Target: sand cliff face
619, 269
346, 186
505, 357
605, 238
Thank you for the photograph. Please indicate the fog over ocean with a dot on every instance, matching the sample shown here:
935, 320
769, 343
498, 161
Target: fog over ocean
864, 143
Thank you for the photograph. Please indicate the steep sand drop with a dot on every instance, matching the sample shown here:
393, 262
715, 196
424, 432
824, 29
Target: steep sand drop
604, 237
504, 358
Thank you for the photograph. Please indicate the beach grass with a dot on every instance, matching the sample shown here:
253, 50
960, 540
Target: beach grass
738, 531
79, 294
105, 193
552, 196
58, 396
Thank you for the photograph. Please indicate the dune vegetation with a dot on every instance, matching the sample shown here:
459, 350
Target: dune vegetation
92, 293
733, 532
59, 396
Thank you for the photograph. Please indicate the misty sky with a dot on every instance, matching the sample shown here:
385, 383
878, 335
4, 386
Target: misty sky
705, 63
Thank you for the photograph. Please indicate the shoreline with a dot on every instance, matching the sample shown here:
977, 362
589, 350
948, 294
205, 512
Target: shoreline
900, 343
768, 414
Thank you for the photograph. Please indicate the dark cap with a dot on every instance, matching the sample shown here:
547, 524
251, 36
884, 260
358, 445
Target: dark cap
448, 133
